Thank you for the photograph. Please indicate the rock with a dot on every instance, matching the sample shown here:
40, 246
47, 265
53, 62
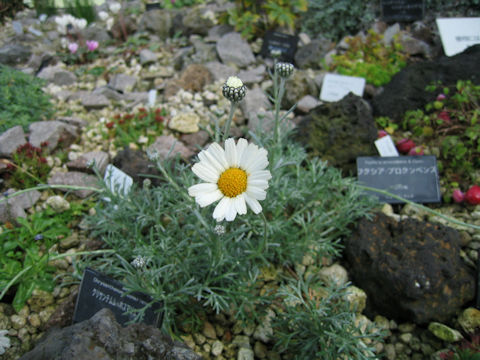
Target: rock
147, 57
203, 52
58, 203
10, 140
309, 56
53, 132
192, 79
18, 322
264, 330
185, 122
136, 164
101, 337
209, 330
412, 46
357, 298
219, 71
167, 146
86, 162
15, 206
75, 178
124, 26
57, 75
27, 199
469, 320
159, 22
72, 120
307, 103
443, 332
109, 93
196, 140
339, 132
217, 348
94, 101
255, 101
39, 300
63, 314
300, 84
217, 31
14, 54
70, 241
334, 274
233, 49
245, 354
122, 82
420, 261
198, 20
406, 90
252, 76
390, 33
97, 33
10, 212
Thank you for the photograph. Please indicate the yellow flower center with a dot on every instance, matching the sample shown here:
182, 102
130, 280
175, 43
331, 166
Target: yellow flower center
232, 182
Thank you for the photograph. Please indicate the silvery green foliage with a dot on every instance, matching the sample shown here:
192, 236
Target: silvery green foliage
192, 267
317, 323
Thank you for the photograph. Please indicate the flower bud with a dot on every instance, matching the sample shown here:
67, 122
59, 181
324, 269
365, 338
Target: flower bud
284, 69
233, 89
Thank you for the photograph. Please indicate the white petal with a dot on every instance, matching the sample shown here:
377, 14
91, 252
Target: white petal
256, 193
241, 146
205, 172
261, 184
197, 189
260, 175
219, 154
240, 205
207, 158
253, 204
231, 152
256, 164
221, 209
208, 198
249, 155
231, 210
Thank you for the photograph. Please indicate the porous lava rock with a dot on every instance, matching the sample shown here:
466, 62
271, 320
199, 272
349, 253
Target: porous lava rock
411, 270
339, 132
406, 90
136, 164
102, 338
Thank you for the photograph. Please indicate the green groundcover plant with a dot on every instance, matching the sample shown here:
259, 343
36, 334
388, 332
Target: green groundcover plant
22, 100
170, 243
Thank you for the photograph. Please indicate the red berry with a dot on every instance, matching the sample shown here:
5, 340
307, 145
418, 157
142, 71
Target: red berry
417, 150
405, 145
472, 196
382, 133
458, 196
443, 115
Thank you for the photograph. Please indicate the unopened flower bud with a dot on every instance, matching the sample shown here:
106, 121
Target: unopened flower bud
233, 89
284, 69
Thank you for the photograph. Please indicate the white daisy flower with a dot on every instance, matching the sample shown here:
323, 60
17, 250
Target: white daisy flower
236, 176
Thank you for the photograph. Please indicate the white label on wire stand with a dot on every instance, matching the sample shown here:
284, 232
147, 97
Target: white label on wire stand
335, 86
386, 147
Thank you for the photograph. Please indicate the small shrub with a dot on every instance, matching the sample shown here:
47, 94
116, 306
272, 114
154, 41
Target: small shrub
22, 100
8, 8
252, 18
371, 59
335, 19
29, 167
140, 128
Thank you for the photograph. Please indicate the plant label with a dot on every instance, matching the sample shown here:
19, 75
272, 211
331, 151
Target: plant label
414, 178
280, 46
335, 87
386, 147
117, 181
457, 34
402, 10
98, 291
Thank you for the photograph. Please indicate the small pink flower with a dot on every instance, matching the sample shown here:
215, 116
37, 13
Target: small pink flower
441, 97
405, 145
458, 196
92, 45
73, 47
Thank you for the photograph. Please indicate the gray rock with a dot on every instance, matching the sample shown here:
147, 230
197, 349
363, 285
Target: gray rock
220, 72
309, 56
264, 330
102, 338
198, 20
74, 178
147, 57
15, 206
11, 139
167, 146
232, 48
413, 46
96, 33
390, 33
159, 22
109, 93
93, 101
255, 100
307, 103
196, 140
17, 27
245, 354
122, 82
217, 31
26, 200
10, 212
72, 120
252, 76
14, 54
203, 52
57, 75
52, 132
84, 163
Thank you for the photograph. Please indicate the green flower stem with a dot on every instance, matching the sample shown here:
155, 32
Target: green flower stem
46, 187
226, 132
278, 102
449, 219
56, 257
